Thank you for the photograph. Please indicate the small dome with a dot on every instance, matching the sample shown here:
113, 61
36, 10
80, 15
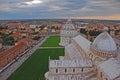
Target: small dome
104, 42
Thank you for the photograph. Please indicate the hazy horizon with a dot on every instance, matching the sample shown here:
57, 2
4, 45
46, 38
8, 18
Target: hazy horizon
60, 9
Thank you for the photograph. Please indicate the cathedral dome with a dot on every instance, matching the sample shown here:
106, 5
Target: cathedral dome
104, 43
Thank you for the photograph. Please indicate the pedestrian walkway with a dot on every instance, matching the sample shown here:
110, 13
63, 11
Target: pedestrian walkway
49, 47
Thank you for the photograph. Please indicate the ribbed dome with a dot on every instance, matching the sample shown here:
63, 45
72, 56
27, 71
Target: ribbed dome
68, 25
104, 42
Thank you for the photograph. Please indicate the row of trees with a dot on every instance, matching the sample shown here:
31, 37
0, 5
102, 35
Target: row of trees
94, 33
7, 39
83, 31
36, 38
91, 33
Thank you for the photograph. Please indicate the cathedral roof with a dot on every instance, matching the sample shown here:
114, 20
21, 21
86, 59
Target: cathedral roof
70, 63
73, 52
104, 42
83, 43
111, 68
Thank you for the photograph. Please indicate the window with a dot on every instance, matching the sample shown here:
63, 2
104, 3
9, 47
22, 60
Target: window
73, 69
65, 70
82, 70
101, 74
56, 70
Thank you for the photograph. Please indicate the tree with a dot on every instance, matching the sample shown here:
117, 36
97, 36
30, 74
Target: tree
23, 36
35, 37
35, 33
83, 31
9, 40
3, 35
42, 27
53, 27
94, 33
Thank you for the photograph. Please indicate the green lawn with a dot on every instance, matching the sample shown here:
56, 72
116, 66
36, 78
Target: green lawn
35, 67
52, 41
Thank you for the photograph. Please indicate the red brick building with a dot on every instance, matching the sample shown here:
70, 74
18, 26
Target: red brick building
10, 54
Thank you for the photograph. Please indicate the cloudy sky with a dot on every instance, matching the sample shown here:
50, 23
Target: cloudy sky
49, 9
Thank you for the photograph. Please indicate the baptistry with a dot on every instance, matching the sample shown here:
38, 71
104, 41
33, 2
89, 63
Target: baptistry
67, 33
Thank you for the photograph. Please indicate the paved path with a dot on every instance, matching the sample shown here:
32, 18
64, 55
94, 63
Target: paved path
49, 47
7, 71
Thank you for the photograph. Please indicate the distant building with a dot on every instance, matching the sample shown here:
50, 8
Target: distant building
37, 29
34, 26
16, 36
0, 45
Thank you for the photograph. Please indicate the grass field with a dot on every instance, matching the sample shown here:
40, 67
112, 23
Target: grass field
52, 41
35, 67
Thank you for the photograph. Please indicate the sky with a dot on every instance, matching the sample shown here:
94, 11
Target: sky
54, 9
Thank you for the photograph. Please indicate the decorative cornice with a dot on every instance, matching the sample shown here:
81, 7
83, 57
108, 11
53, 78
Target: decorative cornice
103, 54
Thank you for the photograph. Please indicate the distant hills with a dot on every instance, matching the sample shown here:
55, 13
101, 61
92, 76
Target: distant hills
63, 20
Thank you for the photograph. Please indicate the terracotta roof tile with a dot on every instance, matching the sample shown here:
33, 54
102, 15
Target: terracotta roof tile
15, 34
4, 53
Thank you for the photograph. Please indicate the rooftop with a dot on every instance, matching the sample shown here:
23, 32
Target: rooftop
83, 43
70, 63
17, 34
111, 68
73, 52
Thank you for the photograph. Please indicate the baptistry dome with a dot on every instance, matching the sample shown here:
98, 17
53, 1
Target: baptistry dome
68, 25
